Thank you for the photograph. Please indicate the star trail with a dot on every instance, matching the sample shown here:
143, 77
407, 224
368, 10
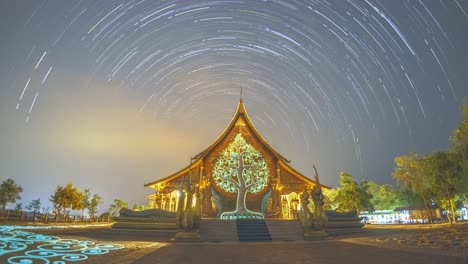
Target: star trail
112, 94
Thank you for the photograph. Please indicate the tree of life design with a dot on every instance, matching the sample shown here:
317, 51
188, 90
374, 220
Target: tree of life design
242, 169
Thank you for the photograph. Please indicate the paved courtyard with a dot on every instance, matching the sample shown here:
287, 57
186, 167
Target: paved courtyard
380, 244
303, 252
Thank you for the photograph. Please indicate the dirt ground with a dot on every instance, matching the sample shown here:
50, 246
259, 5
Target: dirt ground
440, 239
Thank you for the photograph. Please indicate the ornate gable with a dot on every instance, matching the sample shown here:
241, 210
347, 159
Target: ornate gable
203, 162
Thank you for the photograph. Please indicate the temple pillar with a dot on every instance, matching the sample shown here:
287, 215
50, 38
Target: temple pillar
276, 201
163, 201
276, 205
170, 203
201, 172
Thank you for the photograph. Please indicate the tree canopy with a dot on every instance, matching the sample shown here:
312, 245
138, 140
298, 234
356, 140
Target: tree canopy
93, 204
459, 139
385, 197
445, 172
440, 177
412, 174
34, 205
9, 192
459, 148
116, 206
65, 198
86, 202
352, 196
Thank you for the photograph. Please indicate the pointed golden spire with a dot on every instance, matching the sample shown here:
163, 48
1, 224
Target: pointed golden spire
241, 94
240, 107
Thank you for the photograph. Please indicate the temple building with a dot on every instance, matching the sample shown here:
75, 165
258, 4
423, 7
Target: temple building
238, 176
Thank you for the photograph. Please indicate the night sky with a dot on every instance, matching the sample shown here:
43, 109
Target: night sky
113, 94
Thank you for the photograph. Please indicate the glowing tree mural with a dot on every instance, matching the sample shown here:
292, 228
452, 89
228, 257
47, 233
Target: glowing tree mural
242, 169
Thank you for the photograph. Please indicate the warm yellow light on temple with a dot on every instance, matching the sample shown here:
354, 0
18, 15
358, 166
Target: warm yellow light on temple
194, 200
276, 197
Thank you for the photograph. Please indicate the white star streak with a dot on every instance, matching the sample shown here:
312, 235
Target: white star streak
322, 80
108, 14
46, 75
443, 70
22, 93
39, 62
397, 30
32, 106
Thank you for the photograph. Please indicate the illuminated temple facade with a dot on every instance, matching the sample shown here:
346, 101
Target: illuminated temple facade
240, 173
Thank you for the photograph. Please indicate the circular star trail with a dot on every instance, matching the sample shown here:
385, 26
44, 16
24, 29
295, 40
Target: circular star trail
347, 85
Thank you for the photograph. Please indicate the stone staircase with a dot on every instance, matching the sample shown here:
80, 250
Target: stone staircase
216, 230
155, 220
340, 223
285, 230
252, 230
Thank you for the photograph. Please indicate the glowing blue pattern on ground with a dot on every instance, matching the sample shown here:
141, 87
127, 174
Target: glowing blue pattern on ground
49, 249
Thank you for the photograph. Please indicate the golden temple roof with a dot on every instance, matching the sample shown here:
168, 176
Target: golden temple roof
240, 112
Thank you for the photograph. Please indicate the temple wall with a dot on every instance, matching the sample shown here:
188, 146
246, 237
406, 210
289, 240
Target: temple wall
290, 183
284, 184
210, 159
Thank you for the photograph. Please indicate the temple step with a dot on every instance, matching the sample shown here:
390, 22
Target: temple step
285, 230
216, 230
252, 230
343, 223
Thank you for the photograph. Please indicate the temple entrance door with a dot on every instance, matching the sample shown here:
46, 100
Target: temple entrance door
290, 203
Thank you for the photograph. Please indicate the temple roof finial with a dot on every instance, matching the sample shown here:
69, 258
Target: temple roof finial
240, 94
240, 107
